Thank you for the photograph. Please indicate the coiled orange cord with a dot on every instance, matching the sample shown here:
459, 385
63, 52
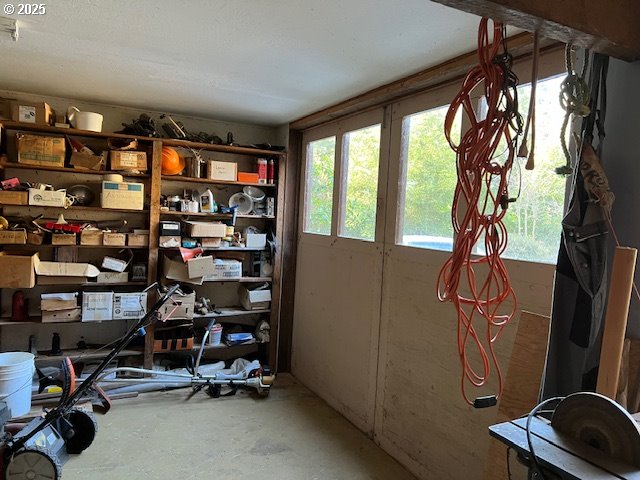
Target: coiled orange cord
479, 287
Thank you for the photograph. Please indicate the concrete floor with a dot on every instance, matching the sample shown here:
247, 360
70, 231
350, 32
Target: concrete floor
291, 435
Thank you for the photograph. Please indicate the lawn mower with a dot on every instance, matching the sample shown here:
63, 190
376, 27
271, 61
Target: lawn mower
38, 450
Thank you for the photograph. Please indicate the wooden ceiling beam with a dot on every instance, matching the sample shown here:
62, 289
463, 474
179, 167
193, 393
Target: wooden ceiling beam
605, 26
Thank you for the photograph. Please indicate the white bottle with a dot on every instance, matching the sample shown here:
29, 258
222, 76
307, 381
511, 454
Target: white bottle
207, 202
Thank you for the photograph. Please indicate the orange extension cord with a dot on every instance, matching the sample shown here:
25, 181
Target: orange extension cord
480, 288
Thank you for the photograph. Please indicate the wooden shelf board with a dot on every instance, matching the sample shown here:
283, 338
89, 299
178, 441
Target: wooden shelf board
29, 127
77, 246
6, 165
221, 249
79, 209
89, 354
178, 178
215, 215
231, 312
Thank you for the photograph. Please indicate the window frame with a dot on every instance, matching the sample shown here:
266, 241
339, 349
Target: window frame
339, 129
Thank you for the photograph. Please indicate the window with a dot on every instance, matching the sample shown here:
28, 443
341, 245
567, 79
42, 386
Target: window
319, 188
361, 153
534, 220
427, 181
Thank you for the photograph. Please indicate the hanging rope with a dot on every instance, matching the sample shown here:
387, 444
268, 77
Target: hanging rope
479, 287
574, 99
524, 151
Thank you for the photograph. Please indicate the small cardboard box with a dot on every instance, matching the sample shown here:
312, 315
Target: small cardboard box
13, 197
128, 160
18, 271
114, 239
217, 170
256, 240
58, 301
85, 161
246, 177
170, 229
47, 198
213, 242
26, 112
129, 305
138, 239
254, 298
13, 237
180, 307
112, 277
225, 270
123, 195
90, 236
200, 266
63, 239
169, 241
35, 238
114, 264
39, 150
97, 306
177, 270
62, 316
207, 229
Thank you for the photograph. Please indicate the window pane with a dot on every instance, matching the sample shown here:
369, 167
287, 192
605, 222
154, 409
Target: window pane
361, 150
534, 220
429, 180
319, 186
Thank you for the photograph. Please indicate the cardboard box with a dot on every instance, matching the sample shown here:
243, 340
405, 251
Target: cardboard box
138, 239
129, 305
18, 271
13, 197
63, 239
115, 239
13, 237
35, 238
39, 150
200, 266
246, 177
114, 264
177, 270
181, 307
169, 241
227, 171
64, 269
112, 277
62, 316
225, 270
47, 198
90, 236
85, 161
128, 160
170, 229
207, 229
256, 240
123, 195
254, 298
172, 344
97, 306
213, 242
58, 301
25, 112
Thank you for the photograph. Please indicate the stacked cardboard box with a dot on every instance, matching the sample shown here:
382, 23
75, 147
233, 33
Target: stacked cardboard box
60, 307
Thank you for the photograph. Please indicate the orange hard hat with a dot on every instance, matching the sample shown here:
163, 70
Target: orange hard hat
172, 163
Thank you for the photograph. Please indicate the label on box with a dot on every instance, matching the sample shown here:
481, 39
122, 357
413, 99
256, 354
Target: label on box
97, 306
129, 305
27, 114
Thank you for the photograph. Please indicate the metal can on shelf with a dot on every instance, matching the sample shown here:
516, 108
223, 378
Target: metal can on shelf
262, 170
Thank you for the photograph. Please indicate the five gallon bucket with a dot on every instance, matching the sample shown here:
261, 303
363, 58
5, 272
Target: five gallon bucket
16, 374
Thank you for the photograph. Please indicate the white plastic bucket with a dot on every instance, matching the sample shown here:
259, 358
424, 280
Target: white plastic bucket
16, 374
215, 335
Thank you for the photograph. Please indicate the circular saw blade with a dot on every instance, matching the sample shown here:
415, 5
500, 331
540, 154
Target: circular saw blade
601, 423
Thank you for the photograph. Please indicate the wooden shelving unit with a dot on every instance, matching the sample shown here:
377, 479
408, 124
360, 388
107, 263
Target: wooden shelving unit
154, 182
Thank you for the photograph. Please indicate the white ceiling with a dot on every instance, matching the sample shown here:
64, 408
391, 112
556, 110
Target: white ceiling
257, 61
